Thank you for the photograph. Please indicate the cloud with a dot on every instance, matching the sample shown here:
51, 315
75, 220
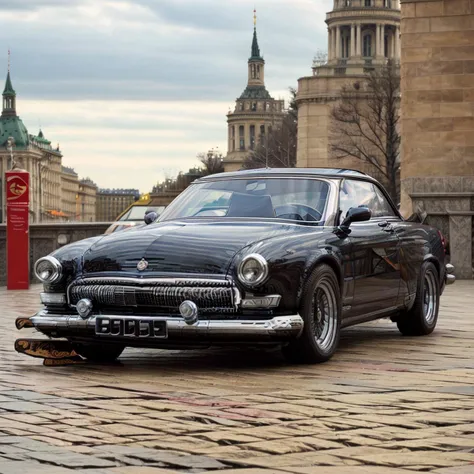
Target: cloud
130, 143
89, 68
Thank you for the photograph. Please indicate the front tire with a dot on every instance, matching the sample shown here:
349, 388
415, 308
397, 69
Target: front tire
102, 353
421, 319
321, 313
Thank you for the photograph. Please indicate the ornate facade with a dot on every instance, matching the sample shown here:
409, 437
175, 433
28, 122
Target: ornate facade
362, 34
256, 113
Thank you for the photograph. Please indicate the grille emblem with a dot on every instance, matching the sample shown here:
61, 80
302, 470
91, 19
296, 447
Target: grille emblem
142, 265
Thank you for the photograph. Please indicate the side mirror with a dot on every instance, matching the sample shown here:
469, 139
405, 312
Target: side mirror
357, 214
150, 218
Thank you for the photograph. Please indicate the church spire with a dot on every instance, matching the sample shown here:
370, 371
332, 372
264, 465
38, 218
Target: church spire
8, 87
255, 48
9, 95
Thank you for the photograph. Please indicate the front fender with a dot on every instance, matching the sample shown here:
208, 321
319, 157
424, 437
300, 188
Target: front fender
290, 265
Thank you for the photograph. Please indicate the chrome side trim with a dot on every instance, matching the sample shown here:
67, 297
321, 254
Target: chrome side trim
285, 326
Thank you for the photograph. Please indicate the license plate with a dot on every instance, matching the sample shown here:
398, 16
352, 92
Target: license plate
142, 328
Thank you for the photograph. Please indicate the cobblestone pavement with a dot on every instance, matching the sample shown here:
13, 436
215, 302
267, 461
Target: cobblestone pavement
384, 404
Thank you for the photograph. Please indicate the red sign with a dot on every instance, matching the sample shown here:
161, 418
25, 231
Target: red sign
18, 237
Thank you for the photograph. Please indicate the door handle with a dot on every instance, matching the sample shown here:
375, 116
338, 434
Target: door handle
383, 224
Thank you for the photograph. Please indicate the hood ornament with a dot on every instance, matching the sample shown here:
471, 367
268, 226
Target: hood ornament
142, 265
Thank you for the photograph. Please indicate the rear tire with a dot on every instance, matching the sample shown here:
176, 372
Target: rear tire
320, 310
99, 352
421, 319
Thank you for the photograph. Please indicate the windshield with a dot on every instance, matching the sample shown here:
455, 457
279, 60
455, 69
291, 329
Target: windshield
137, 213
283, 198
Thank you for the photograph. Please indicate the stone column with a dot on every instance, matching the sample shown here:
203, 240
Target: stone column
329, 44
397, 42
378, 49
392, 44
359, 40
338, 42
437, 119
353, 41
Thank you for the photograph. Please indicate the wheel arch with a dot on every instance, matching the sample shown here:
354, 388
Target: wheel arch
432, 259
331, 262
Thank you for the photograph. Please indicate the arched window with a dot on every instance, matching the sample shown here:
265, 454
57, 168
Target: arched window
367, 50
241, 138
252, 137
368, 3
258, 71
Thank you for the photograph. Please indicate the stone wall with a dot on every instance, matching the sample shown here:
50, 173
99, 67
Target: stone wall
437, 69
45, 238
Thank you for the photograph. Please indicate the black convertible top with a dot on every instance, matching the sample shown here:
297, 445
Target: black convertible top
309, 172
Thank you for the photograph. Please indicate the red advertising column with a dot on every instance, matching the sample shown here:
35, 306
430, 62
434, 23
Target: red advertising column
18, 238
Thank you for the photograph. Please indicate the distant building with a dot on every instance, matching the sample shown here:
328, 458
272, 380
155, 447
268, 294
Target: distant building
69, 192
112, 202
362, 35
55, 191
33, 153
256, 113
86, 201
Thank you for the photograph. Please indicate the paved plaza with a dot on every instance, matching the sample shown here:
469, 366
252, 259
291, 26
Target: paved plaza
384, 404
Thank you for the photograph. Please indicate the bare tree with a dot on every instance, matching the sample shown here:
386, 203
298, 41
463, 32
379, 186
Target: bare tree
277, 149
365, 125
212, 161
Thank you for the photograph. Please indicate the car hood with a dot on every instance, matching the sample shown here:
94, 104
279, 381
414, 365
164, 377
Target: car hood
181, 247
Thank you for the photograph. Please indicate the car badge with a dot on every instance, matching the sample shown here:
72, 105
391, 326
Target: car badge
142, 265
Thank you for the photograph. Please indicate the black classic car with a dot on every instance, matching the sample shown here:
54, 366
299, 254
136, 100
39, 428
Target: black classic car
284, 257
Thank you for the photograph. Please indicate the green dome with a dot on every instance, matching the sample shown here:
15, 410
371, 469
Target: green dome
12, 126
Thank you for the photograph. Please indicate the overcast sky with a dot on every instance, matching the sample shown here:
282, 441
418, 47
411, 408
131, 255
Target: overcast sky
133, 90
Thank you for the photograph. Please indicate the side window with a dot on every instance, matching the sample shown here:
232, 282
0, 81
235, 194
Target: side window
363, 194
383, 207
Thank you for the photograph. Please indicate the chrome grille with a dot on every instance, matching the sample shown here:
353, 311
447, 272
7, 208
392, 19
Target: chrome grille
166, 295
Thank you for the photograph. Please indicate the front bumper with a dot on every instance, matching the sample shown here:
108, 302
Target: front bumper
71, 326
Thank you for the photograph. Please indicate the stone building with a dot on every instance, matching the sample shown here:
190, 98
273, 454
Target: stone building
362, 34
55, 193
437, 168
256, 112
111, 203
33, 153
86, 201
69, 192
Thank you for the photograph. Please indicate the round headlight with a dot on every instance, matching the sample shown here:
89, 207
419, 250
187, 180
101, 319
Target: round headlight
48, 270
253, 270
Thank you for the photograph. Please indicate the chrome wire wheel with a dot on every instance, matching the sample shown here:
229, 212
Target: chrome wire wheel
430, 299
422, 317
324, 310
320, 309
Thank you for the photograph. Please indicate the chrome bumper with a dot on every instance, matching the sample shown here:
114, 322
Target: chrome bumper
450, 277
228, 329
